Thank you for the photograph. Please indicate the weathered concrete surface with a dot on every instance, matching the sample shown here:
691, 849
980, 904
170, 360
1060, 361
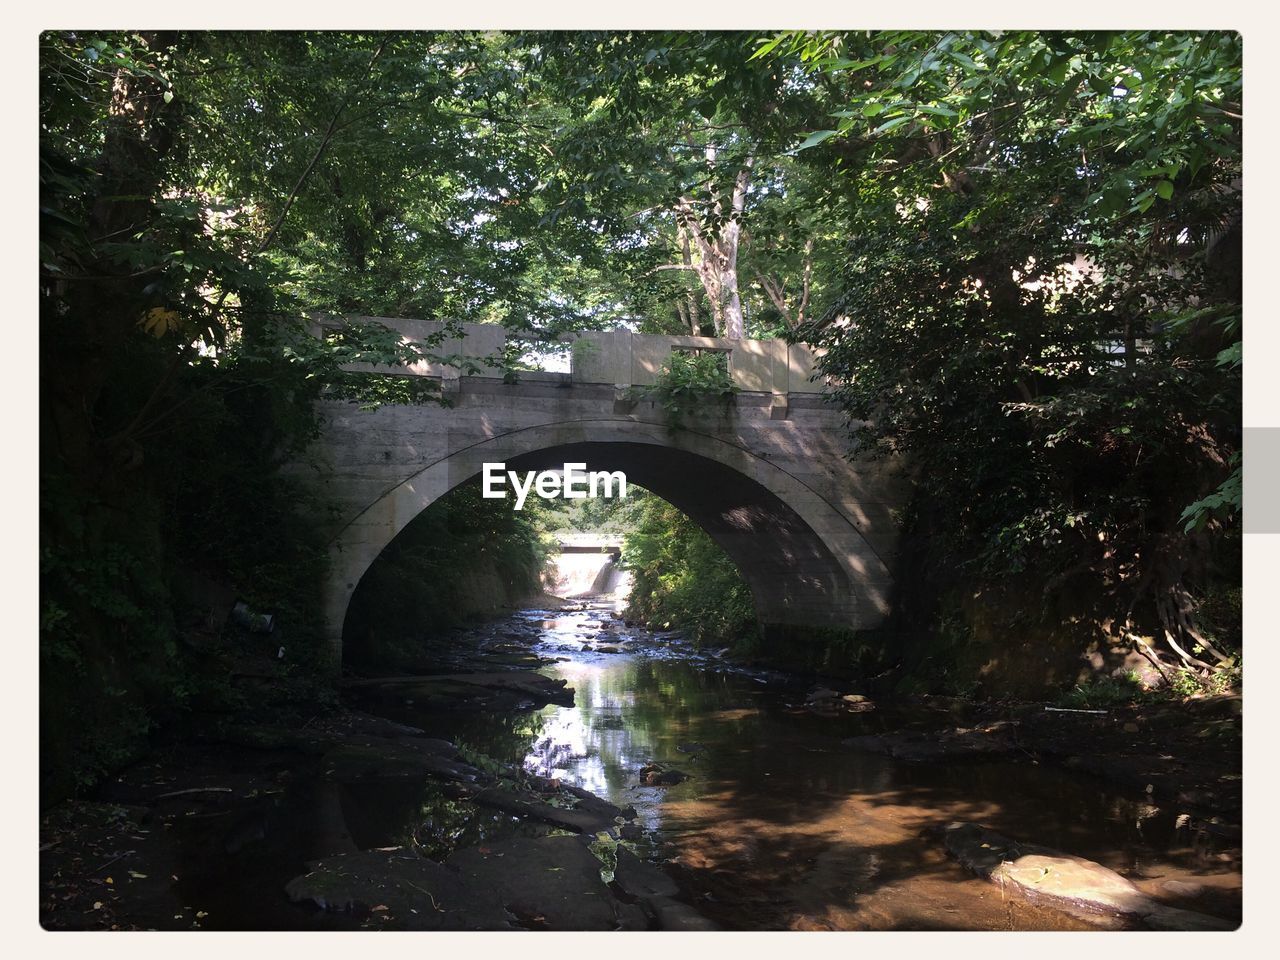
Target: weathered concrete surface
760, 366
767, 475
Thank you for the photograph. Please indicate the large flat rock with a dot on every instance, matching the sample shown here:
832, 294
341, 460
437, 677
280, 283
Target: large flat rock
1072, 884
398, 890
547, 883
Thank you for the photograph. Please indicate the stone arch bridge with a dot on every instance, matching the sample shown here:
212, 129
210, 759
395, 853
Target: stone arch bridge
768, 474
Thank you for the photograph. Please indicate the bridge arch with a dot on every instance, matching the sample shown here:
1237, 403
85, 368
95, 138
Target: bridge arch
804, 559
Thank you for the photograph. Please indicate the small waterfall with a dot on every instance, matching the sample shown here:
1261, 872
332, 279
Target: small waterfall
612, 582
582, 571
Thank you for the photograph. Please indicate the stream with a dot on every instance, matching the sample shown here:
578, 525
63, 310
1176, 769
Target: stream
778, 825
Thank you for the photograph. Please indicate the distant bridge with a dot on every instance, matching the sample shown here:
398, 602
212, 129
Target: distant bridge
768, 474
589, 543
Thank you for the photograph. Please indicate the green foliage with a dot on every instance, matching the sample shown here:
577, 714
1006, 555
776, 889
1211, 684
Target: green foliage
682, 579
602, 515
1040, 303
1184, 683
1104, 693
658, 129
1225, 502
689, 383
1167, 102
1223, 679
604, 847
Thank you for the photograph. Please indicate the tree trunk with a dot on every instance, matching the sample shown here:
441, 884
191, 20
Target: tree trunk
718, 250
776, 291
690, 312
734, 326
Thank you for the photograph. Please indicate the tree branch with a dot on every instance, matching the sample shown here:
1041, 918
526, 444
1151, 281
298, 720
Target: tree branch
315, 158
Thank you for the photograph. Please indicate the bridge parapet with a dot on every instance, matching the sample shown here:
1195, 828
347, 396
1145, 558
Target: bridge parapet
481, 343
617, 357
628, 359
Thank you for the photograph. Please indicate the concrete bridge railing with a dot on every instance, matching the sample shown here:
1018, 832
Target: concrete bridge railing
635, 359
618, 357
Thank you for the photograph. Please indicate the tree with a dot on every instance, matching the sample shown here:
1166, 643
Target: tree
676, 143
200, 194
1041, 302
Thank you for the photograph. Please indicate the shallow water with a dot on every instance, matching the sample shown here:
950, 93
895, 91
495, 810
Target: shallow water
779, 826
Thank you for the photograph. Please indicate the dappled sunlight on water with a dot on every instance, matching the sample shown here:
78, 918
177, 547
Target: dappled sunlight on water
780, 825
776, 821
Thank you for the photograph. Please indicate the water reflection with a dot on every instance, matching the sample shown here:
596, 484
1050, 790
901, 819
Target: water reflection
775, 799
779, 824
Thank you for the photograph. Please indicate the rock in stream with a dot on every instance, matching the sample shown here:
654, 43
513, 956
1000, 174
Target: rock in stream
1078, 886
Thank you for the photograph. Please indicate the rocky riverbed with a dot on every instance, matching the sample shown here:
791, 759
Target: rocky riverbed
560, 769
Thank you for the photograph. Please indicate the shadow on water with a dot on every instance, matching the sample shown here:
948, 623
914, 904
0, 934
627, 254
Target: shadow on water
780, 825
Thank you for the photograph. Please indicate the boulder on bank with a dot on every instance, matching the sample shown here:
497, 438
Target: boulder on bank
656, 775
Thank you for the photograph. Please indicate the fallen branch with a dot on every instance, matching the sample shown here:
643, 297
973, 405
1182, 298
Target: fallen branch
1072, 710
183, 793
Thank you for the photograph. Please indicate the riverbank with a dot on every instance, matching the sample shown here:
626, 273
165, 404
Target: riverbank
122, 860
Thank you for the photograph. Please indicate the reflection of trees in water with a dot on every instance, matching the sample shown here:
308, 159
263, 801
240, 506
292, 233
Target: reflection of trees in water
504, 735
675, 695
